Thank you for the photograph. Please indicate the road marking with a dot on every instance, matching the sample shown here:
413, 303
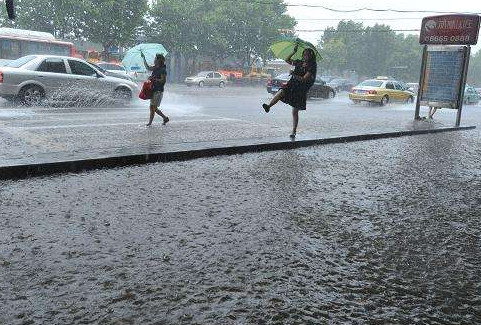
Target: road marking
114, 124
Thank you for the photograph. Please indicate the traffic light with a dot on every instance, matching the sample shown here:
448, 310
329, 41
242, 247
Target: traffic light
10, 9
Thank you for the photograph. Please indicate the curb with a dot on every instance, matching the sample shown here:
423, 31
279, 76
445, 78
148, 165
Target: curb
193, 151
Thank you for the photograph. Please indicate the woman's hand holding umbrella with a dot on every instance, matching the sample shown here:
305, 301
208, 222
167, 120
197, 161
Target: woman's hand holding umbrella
296, 47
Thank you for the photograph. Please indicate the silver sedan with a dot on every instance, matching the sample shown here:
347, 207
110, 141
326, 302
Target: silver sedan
32, 78
206, 78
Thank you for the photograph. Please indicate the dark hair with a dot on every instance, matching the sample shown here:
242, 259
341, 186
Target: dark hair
312, 55
161, 57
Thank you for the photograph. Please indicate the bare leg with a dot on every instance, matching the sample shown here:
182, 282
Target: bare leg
278, 96
295, 121
432, 110
152, 114
164, 117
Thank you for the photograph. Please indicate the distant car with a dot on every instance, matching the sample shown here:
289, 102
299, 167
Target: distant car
471, 96
381, 91
329, 78
207, 78
112, 67
318, 90
340, 84
34, 77
139, 74
413, 86
112, 73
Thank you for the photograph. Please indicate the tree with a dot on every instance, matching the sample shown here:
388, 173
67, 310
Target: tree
114, 22
62, 18
334, 54
218, 28
474, 70
251, 28
371, 51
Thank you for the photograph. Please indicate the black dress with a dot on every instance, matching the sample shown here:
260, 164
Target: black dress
295, 91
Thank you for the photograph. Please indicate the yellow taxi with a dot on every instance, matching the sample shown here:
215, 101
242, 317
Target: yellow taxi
381, 90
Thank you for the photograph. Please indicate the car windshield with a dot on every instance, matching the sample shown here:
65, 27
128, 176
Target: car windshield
98, 67
109, 66
371, 83
21, 61
202, 73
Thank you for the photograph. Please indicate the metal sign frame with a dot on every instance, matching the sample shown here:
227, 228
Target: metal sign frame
462, 82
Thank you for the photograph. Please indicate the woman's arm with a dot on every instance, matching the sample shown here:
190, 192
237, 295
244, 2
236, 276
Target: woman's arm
288, 60
306, 77
147, 66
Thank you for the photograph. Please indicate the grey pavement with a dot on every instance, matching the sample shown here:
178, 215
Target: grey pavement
198, 115
376, 232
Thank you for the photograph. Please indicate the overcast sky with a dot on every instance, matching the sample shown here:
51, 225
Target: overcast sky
396, 20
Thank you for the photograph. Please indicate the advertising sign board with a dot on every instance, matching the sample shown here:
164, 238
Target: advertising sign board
450, 30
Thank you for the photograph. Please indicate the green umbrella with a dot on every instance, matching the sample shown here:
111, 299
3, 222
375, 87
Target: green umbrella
283, 48
132, 57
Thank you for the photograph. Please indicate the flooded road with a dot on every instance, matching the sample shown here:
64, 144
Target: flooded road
376, 232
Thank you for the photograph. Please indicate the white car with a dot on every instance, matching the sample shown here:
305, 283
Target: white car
139, 74
35, 77
206, 78
112, 67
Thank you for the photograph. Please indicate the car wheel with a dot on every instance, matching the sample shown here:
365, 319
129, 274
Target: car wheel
221, 84
201, 84
31, 95
123, 94
410, 100
355, 101
384, 100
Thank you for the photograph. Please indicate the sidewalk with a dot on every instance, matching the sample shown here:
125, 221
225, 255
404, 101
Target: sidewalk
86, 159
204, 122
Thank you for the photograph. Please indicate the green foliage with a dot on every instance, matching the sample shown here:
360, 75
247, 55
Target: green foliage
62, 18
113, 22
370, 51
474, 70
109, 22
218, 28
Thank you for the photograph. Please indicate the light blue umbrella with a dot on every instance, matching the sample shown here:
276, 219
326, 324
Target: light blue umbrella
133, 59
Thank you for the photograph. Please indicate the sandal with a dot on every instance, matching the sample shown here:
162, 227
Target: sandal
166, 120
292, 135
266, 108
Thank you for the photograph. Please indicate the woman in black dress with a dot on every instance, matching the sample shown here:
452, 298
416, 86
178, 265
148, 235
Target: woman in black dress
296, 89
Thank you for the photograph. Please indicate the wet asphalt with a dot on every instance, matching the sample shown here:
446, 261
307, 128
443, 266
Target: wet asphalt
197, 115
374, 232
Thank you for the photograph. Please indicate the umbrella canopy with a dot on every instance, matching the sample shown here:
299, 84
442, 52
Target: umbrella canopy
283, 48
133, 58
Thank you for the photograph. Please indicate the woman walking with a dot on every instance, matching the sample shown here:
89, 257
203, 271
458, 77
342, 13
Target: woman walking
295, 92
158, 78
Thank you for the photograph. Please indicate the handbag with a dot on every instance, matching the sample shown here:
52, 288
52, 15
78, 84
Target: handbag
147, 91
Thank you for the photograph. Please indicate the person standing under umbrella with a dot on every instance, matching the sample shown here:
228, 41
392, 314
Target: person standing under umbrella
296, 89
158, 78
